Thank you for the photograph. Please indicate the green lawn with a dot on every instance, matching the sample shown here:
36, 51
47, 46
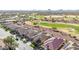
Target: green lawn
59, 25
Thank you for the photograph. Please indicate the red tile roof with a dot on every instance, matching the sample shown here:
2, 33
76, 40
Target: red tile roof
53, 43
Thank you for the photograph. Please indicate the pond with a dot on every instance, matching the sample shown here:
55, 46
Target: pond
21, 46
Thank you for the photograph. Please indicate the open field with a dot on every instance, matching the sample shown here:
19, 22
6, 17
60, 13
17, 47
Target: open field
60, 25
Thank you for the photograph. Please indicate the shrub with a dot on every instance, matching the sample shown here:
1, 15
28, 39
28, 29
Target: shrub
35, 23
10, 42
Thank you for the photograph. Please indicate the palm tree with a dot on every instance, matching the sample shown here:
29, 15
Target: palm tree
10, 42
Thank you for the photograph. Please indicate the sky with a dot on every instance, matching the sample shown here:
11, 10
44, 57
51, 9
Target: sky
39, 4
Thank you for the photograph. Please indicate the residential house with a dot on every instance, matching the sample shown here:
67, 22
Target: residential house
53, 43
41, 37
